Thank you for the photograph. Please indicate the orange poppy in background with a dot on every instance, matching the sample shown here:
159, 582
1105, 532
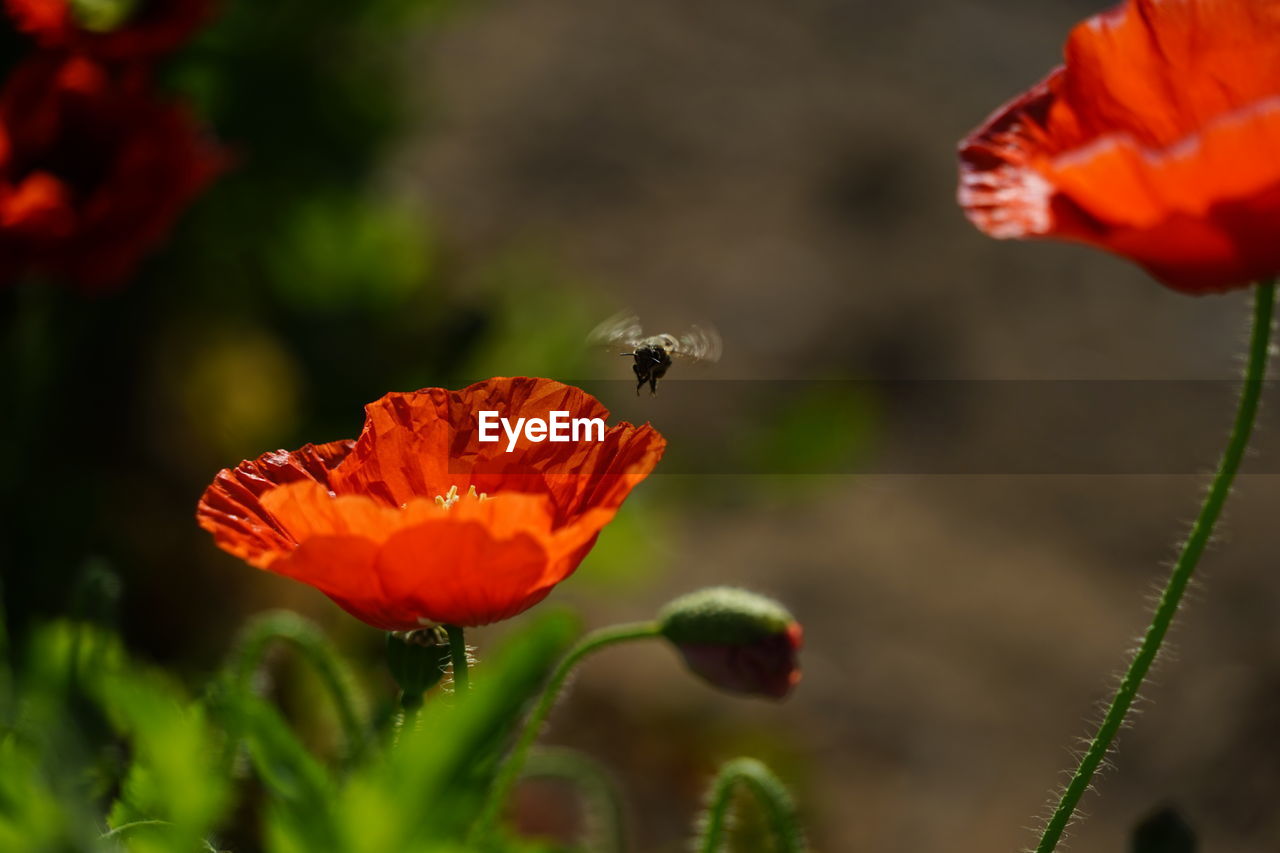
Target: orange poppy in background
1158, 139
417, 522
154, 27
93, 168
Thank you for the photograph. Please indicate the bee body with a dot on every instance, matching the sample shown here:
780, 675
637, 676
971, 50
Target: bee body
653, 354
651, 364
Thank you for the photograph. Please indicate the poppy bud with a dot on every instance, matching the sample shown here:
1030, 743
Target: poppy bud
736, 640
417, 660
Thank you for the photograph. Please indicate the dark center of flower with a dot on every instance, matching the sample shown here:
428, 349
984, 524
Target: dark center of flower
81, 155
72, 120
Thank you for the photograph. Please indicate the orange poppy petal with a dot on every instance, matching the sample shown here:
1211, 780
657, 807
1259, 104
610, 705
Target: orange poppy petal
360, 521
231, 507
577, 474
459, 573
342, 567
474, 563
1159, 139
1162, 69
422, 443
1153, 208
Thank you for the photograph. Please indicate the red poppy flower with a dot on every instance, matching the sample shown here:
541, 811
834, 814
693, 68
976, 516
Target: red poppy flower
153, 27
93, 169
1158, 139
418, 522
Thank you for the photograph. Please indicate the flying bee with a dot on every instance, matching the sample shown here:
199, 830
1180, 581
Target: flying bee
653, 354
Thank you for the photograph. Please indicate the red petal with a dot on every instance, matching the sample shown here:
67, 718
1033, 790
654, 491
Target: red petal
1158, 140
231, 508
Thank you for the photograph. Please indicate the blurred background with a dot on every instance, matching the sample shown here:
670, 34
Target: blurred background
432, 193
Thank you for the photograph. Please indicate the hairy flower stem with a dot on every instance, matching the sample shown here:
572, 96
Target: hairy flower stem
1192, 549
780, 812
514, 765
458, 656
283, 626
601, 802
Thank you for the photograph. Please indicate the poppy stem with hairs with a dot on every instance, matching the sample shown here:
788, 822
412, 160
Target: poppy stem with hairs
512, 767
1192, 549
779, 810
458, 656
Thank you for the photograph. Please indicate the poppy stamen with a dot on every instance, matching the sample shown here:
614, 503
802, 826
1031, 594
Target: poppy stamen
451, 497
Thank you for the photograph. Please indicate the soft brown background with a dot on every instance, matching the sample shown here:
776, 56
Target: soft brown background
787, 170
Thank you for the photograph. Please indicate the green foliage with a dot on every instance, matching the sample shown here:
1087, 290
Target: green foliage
322, 263
448, 754
632, 551
245, 665
102, 16
174, 776
777, 811
301, 791
79, 702
823, 430
538, 320
65, 783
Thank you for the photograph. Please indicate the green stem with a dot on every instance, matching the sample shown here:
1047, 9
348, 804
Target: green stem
602, 805
125, 828
1201, 532
458, 655
512, 767
285, 626
771, 793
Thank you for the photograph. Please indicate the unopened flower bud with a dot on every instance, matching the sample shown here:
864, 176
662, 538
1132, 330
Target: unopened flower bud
736, 640
417, 660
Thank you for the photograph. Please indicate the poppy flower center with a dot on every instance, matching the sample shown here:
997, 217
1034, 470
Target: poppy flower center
451, 497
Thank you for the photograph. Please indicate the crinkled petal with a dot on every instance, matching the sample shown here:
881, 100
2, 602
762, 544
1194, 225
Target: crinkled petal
1158, 140
361, 521
424, 442
231, 508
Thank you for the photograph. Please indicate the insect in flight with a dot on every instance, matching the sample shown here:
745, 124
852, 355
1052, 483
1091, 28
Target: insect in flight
653, 354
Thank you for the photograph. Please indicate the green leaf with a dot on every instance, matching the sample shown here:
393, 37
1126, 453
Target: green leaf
283, 626
302, 793
175, 775
447, 754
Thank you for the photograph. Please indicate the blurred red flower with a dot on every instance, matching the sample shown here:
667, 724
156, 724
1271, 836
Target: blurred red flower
154, 27
417, 522
1158, 139
93, 169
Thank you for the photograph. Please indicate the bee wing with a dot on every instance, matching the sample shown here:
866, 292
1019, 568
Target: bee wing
620, 333
700, 343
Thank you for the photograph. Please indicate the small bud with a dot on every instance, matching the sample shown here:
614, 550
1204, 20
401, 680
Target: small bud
736, 640
417, 660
